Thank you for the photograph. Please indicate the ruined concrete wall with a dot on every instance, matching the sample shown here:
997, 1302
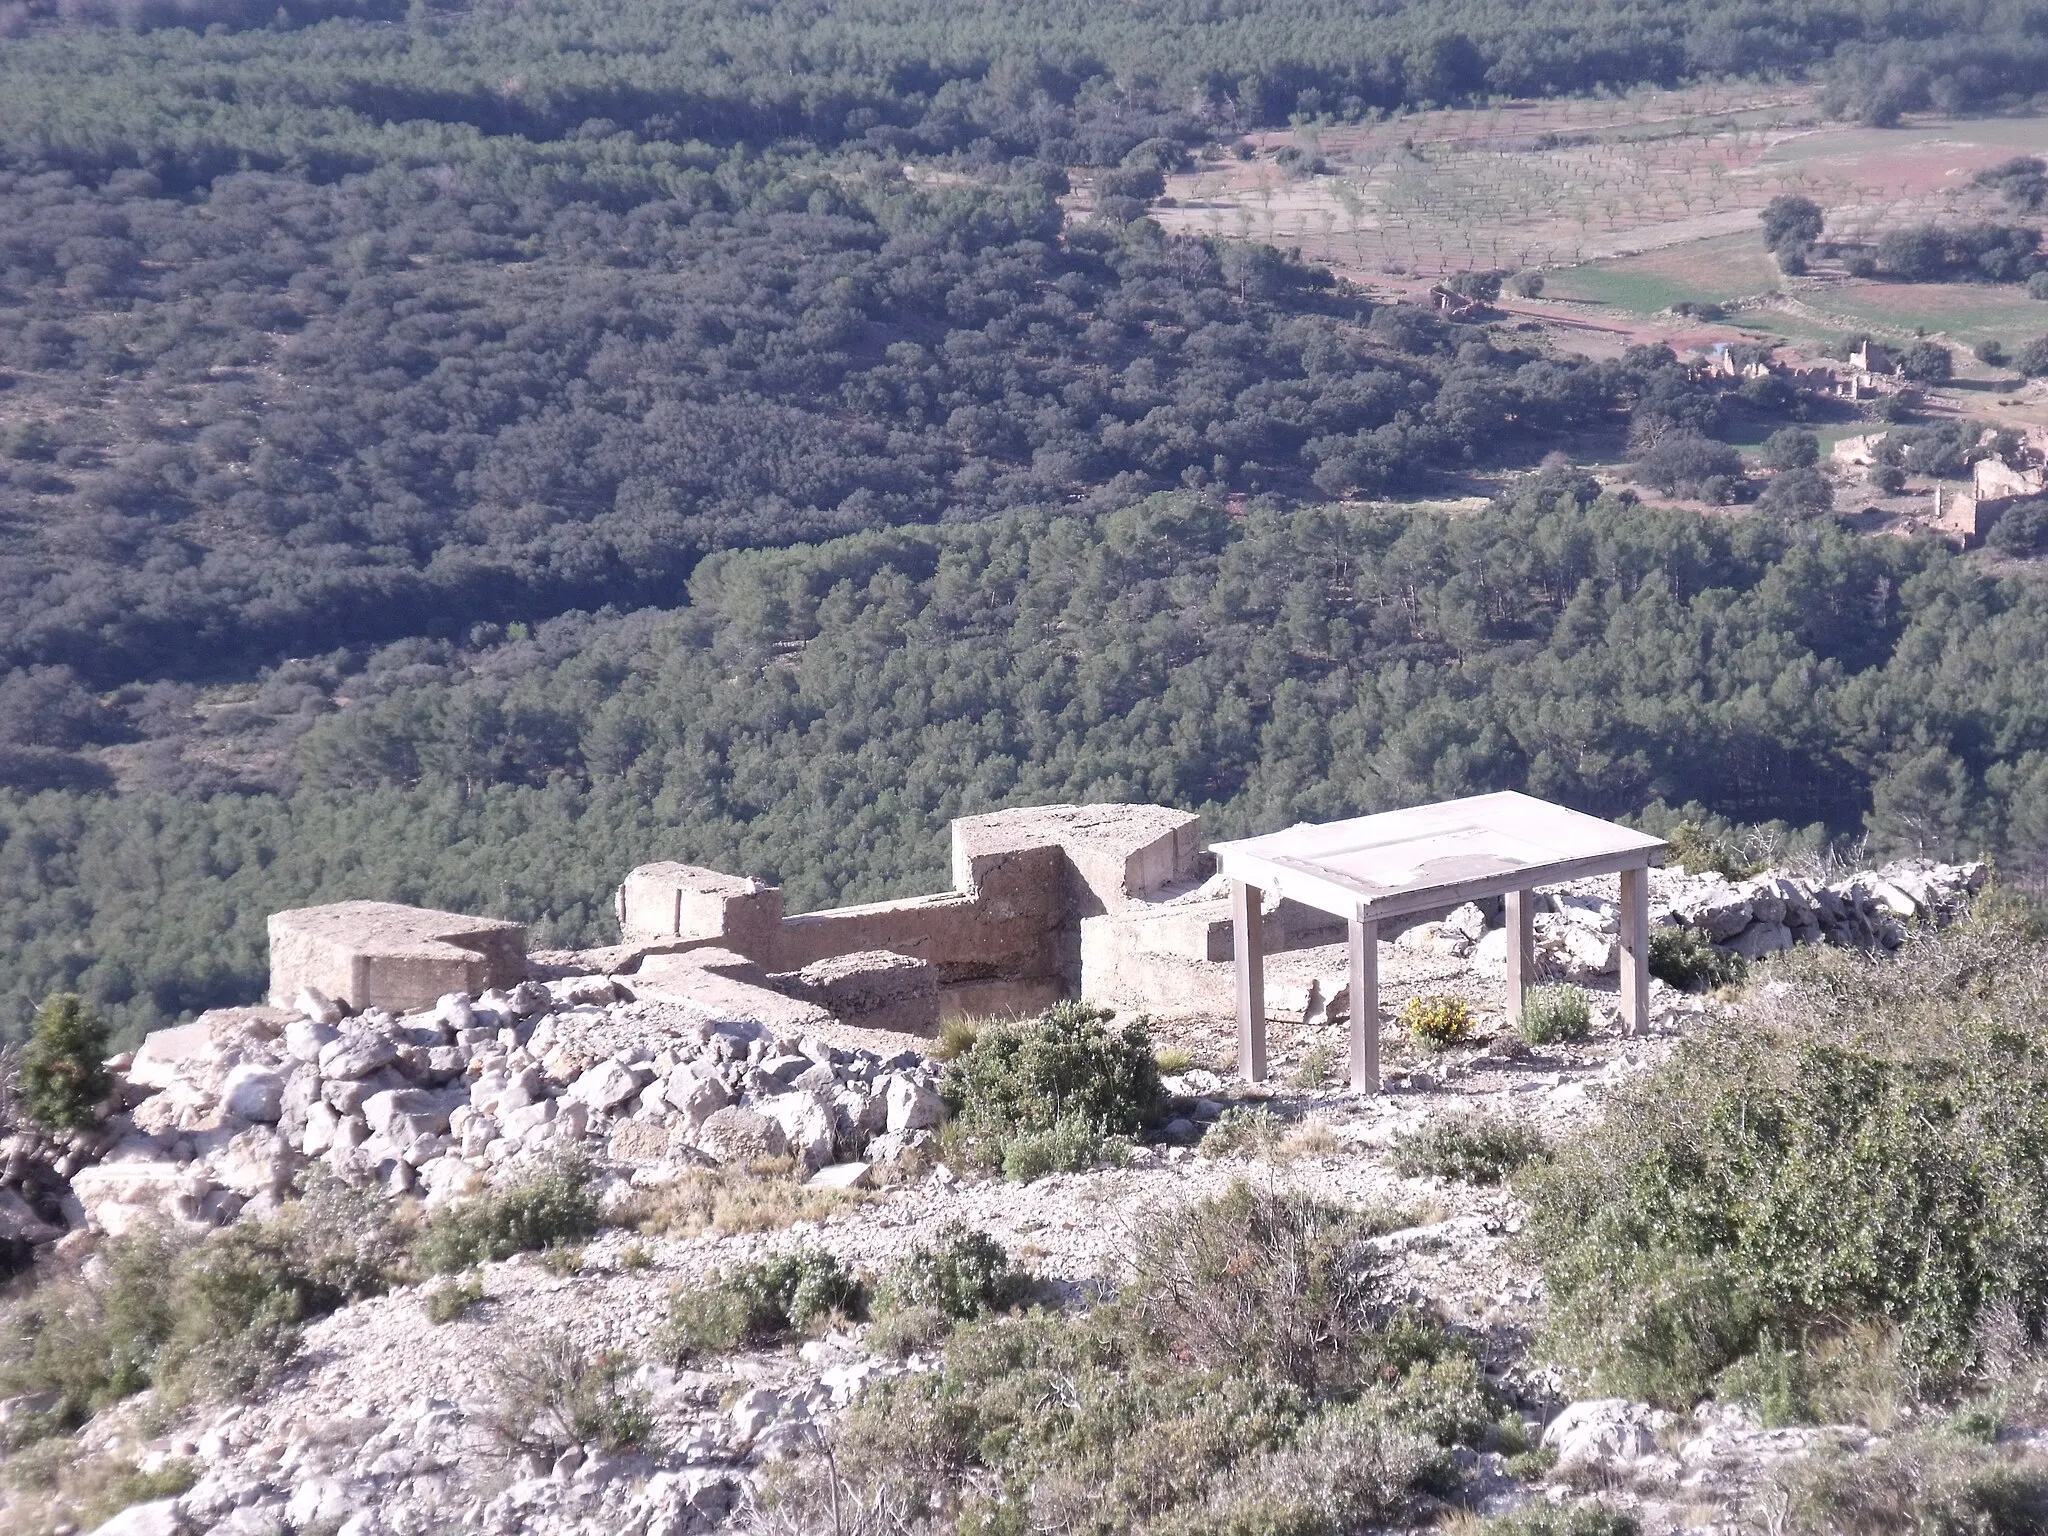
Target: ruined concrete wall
1004, 928
1006, 939
691, 905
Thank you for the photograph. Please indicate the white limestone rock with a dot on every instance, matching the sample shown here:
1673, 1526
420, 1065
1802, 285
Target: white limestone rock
1604, 1433
738, 1135
913, 1105
313, 1004
252, 1092
809, 1126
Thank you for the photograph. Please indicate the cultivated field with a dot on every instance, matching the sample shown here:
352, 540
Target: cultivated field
1631, 205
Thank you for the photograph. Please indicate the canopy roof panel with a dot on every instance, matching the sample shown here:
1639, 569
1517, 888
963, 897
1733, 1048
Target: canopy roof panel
1427, 855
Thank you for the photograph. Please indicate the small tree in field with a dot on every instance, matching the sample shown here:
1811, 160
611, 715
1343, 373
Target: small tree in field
63, 1071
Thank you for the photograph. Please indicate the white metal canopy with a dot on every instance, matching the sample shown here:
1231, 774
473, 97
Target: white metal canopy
1397, 863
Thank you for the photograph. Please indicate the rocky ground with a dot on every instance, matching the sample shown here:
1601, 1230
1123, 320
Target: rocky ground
384, 1421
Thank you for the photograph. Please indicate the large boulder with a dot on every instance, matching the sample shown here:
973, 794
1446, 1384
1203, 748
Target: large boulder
742, 1136
259, 1162
606, 1086
1718, 909
1760, 939
252, 1092
161, 1517
185, 1053
357, 1053
809, 1126
20, 1224
696, 1099
119, 1197
913, 1105
1604, 1433
401, 1114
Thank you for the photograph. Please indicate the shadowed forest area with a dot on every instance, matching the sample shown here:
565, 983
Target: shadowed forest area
452, 455
816, 714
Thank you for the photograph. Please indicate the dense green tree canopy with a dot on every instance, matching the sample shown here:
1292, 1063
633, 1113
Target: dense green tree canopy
817, 714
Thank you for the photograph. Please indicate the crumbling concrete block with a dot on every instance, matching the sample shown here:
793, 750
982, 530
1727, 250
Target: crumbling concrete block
1115, 854
876, 989
380, 954
684, 902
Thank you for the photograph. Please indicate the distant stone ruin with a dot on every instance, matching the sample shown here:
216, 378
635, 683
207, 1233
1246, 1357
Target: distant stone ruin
1114, 904
379, 954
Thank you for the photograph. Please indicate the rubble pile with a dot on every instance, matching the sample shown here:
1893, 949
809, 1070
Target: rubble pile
1578, 926
225, 1113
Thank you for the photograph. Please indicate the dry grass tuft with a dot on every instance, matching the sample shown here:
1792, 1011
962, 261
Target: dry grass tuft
731, 1200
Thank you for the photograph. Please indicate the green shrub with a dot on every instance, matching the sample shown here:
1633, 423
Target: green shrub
1438, 1022
1699, 850
1241, 1130
1447, 1400
553, 1209
1862, 1151
1070, 1144
554, 1394
445, 1303
1472, 1148
1850, 1377
1553, 1015
1053, 1093
243, 1296
1687, 959
1251, 1377
211, 1317
1317, 1068
1346, 1469
1306, 1309
91, 1344
960, 1276
758, 1303
1933, 1482
63, 1067
1551, 1520
961, 1273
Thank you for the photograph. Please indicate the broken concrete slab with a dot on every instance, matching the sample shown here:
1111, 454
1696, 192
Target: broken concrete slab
380, 954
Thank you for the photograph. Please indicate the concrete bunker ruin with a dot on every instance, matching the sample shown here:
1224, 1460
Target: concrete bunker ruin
1114, 904
380, 954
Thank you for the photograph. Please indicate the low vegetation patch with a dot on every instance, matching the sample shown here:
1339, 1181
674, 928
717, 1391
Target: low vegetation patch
61, 1485
554, 1209
1933, 1481
1688, 960
555, 1394
1551, 1520
1438, 1022
759, 1303
213, 1317
1251, 1376
445, 1303
732, 1200
1052, 1095
1555, 1016
960, 1276
1861, 1157
1474, 1148
1243, 1130
1317, 1068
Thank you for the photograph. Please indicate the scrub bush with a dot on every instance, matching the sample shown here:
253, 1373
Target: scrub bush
1055, 1093
1861, 1151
